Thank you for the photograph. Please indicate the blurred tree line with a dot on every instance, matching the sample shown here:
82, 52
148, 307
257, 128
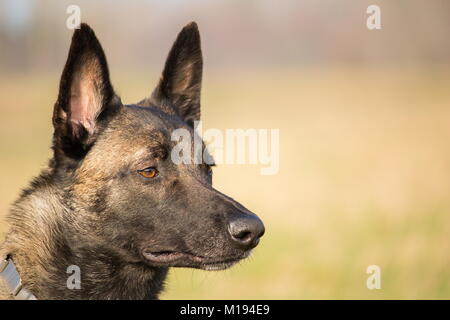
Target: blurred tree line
33, 34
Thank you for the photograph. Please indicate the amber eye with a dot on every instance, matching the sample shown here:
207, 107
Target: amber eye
148, 172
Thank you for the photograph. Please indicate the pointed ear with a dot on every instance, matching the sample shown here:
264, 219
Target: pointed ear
85, 93
181, 80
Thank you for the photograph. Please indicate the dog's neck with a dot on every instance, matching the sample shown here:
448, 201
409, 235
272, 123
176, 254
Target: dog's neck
45, 253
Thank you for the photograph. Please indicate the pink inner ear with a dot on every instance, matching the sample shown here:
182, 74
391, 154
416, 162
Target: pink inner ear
84, 101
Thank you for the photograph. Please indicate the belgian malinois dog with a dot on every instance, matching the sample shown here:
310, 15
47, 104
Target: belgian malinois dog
112, 202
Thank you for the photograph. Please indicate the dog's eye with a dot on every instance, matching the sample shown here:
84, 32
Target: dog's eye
148, 172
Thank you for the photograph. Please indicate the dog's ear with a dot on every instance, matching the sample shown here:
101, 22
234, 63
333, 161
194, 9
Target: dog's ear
181, 80
85, 94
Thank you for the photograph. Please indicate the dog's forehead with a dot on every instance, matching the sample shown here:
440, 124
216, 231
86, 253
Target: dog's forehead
145, 127
149, 117
136, 135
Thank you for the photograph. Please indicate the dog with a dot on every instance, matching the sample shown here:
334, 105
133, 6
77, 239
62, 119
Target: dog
112, 203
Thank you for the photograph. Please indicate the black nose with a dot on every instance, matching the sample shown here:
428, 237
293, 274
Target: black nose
246, 230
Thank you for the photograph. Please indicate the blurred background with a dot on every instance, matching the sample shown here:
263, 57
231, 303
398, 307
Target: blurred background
364, 119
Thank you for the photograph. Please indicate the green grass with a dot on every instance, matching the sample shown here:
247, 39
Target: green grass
363, 178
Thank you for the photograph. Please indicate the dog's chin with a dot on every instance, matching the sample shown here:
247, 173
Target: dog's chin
188, 260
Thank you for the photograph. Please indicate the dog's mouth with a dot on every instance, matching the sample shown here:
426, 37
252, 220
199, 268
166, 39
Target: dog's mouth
185, 259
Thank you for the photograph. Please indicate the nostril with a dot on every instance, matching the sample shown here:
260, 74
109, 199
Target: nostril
243, 236
245, 231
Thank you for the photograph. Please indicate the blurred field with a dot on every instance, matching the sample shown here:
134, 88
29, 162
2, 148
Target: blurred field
364, 177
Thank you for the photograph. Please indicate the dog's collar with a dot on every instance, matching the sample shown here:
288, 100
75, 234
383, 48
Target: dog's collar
11, 278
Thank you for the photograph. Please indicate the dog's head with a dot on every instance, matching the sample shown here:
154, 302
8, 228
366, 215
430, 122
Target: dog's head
116, 162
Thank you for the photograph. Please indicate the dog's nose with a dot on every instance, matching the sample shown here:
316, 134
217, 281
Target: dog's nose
246, 230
